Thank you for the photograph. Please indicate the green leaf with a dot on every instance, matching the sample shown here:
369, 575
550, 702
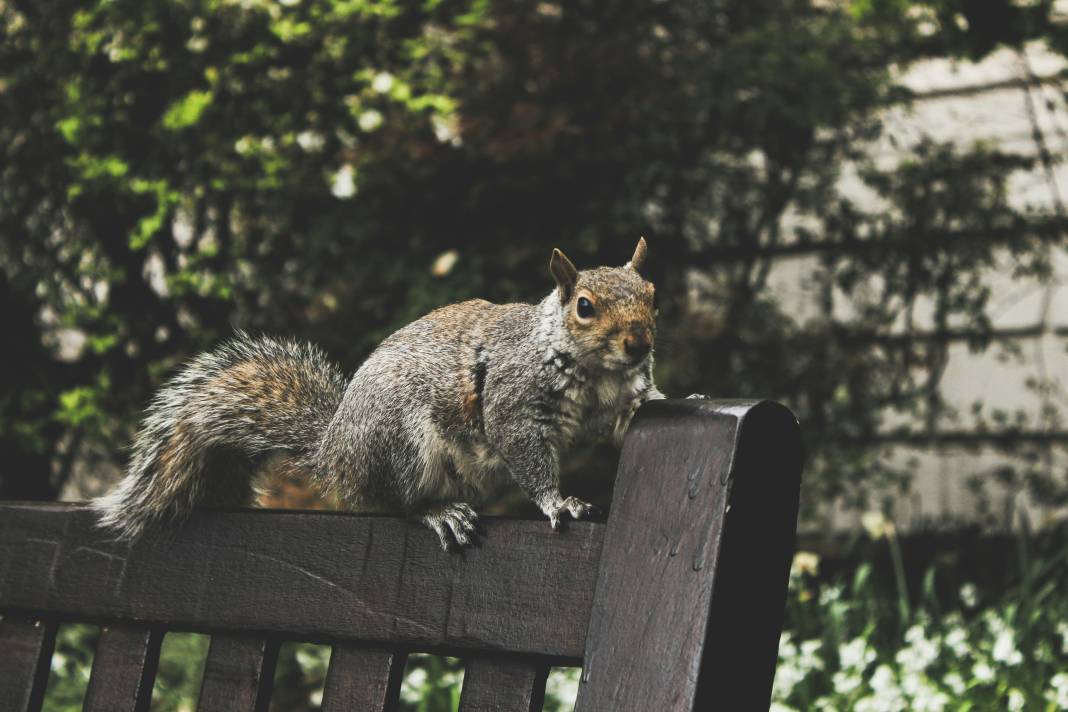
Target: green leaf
186, 112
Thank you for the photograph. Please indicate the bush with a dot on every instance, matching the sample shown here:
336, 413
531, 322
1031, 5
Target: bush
859, 643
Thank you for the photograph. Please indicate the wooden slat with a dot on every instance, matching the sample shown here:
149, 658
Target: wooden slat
362, 679
501, 684
311, 576
749, 601
238, 674
124, 668
25, 657
659, 638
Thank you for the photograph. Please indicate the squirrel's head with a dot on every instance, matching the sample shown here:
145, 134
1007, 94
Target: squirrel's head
610, 312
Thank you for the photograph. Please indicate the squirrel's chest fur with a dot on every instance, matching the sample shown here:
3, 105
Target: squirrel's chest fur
570, 406
588, 405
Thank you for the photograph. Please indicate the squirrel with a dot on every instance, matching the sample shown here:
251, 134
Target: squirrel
443, 406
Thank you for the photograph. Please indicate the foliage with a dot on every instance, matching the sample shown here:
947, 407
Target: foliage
851, 645
170, 171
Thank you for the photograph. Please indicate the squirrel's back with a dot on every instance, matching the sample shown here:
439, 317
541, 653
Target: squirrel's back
226, 410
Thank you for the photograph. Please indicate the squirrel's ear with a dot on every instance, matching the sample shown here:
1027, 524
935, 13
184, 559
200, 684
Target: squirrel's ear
638, 259
564, 273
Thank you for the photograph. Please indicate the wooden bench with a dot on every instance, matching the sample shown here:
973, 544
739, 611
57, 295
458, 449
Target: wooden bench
675, 604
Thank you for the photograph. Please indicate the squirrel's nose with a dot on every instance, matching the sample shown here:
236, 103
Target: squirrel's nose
636, 345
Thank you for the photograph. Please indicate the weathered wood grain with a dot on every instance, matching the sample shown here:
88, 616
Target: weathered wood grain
649, 644
25, 654
310, 576
238, 674
502, 684
363, 679
124, 668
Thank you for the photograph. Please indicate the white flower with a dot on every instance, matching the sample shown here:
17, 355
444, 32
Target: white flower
883, 679
845, 683
805, 562
912, 683
877, 525
810, 659
955, 683
1062, 628
1005, 649
929, 698
787, 676
786, 647
344, 182
994, 623
562, 683
244, 145
982, 672
957, 641
886, 698
794, 664
1016, 700
412, 687
447, 129
311, 141
969, 596
382, 82
780, 707
920, 651
370, 120
856, 654
1058, 694
830, 594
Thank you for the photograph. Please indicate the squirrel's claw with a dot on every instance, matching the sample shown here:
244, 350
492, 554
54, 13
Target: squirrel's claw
572, 506
453, 523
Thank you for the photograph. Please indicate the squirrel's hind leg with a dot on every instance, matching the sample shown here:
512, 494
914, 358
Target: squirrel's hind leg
454, 522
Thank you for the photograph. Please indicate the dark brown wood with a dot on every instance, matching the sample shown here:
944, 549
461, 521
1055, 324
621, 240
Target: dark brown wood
25, 656
124, 668
238, 674
503, 684
749, 601
310, 576
650, 644
363, 679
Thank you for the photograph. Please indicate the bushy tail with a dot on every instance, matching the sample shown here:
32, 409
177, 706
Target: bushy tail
205, 431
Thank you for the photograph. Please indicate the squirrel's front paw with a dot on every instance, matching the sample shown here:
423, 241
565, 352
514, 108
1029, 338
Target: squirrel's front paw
556, 507
452, 523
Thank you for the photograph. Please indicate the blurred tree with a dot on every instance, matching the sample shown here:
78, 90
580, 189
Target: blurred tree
335, 169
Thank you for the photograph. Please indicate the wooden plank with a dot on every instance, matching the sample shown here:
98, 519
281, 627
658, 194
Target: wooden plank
238, 674
311, 576
502, 684
650, 626
24, 664
749, 601
124, 668
363, 679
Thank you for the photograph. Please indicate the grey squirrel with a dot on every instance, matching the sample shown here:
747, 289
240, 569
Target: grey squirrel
464, 394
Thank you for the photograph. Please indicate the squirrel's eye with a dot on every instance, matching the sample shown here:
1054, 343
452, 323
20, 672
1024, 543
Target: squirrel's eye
585, 308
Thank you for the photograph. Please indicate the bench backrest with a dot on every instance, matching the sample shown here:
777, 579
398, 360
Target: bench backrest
675, 604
